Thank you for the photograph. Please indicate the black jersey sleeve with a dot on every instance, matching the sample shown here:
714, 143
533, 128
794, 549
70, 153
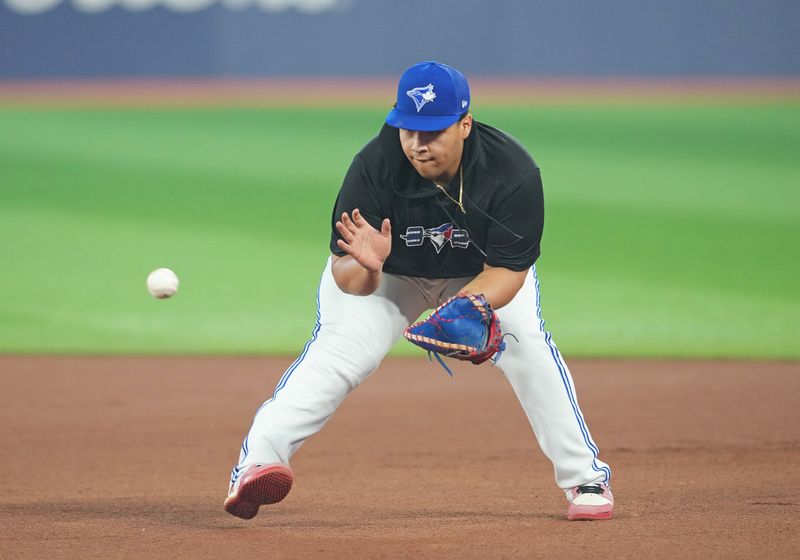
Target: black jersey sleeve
515, 234
358, 191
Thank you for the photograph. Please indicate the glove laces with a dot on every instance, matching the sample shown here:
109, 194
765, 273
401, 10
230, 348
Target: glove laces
493, 359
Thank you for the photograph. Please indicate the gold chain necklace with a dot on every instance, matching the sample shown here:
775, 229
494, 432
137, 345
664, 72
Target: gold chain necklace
460, 190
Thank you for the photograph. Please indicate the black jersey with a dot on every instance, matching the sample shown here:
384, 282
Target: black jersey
431, 237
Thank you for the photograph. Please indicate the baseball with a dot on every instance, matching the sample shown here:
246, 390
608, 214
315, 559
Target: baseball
162, 283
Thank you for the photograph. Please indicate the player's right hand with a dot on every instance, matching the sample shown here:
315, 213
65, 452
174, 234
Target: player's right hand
368, 246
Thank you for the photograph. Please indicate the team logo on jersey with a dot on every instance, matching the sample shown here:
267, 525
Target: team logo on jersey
439, 236
422, 95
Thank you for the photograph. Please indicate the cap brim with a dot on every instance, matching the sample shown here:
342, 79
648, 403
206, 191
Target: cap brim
426, 123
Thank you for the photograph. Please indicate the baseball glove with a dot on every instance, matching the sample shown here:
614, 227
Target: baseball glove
464, 327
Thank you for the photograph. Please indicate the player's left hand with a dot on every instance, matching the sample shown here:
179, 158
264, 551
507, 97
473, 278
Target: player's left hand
464, 327
368, 246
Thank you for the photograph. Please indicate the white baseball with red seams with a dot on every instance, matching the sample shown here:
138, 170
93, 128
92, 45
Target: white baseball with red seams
162, 283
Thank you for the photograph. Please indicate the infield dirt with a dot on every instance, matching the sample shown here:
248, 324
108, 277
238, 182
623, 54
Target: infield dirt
111, 457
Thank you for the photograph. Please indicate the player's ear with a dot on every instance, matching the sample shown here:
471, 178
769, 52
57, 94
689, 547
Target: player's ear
465, 126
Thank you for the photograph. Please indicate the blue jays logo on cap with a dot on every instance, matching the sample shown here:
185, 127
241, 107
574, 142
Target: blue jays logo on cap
421, 95
430, 96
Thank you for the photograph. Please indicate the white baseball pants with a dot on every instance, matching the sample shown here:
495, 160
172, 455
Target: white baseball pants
353, 334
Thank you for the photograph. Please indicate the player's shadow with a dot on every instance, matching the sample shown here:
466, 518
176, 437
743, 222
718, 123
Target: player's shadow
192, 513
139, 512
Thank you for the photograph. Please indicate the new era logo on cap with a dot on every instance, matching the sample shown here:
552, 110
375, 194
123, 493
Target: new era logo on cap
430, 96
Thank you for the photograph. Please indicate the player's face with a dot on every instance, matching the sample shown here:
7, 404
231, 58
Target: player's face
436, 155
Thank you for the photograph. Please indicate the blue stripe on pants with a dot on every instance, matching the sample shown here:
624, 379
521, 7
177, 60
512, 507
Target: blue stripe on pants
556, 355
281, 384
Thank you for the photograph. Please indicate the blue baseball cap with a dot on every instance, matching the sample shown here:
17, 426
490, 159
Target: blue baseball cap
430, 96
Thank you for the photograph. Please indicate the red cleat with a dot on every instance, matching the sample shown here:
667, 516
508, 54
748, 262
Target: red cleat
589, 502
258, 485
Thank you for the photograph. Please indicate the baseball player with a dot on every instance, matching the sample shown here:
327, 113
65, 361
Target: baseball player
436, 205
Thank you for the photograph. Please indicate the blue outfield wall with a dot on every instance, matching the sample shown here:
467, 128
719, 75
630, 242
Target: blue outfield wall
240, 38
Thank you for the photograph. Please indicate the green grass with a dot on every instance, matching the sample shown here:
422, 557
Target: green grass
670, 231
